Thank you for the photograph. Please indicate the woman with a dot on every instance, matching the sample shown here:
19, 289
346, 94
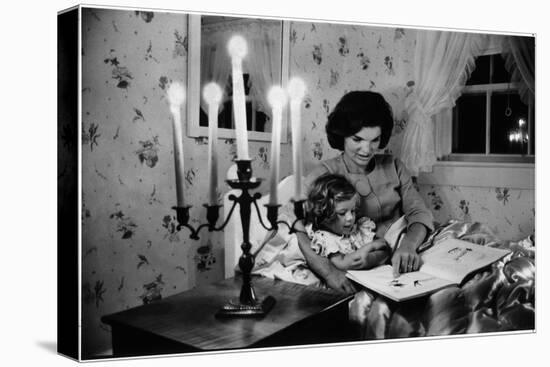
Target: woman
360, 125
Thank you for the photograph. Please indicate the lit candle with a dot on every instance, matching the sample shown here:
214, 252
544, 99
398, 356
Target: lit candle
237, 50
296, 92
176, 97
212, 93
277, 99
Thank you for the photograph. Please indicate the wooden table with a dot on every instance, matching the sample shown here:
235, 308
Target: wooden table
185, 322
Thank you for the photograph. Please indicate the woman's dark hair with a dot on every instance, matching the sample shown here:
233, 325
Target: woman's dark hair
355, 111
324, 193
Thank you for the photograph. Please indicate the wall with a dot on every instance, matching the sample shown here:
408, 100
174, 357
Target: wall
131, 251
500, 195
334, 59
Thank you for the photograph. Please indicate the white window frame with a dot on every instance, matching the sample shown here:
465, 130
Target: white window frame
193, 85
489, 89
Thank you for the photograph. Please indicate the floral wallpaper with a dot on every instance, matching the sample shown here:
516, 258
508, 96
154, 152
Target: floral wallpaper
334, 59
132, 253
510, 213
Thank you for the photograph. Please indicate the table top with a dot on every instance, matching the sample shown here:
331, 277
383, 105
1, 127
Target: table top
189, 317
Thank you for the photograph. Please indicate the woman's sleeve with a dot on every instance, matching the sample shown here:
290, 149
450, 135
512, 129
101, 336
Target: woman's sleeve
413, 205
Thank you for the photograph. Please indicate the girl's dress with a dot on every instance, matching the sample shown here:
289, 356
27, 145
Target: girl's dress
325, 243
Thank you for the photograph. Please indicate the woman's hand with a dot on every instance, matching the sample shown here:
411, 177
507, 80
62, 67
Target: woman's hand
405, 259
337, 280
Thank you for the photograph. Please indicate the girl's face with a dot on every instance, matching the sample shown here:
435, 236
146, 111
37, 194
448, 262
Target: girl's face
360, 147
344, 219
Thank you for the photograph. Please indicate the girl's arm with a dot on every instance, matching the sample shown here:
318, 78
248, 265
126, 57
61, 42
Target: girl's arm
323, 267
372, 254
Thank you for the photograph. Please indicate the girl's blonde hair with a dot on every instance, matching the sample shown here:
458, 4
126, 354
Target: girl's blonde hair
324, 193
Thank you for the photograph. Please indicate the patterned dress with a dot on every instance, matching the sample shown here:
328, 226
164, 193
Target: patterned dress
325, 243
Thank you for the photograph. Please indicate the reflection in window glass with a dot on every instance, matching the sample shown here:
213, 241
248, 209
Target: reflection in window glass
469, 124
502, 125
261, 66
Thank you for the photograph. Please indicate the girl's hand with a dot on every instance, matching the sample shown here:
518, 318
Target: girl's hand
405, 259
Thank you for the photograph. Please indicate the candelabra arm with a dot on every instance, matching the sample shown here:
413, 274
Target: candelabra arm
182, 216
273, 225
272, 214
212, 214
228, 215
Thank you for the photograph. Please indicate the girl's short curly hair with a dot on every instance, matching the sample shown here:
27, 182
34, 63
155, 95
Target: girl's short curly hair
324, 193
355, 111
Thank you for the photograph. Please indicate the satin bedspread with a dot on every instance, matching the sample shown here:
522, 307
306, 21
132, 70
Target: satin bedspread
500, 298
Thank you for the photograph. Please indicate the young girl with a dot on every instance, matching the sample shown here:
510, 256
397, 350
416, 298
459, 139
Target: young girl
332, 227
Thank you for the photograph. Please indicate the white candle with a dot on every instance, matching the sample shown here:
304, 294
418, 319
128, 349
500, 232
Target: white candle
296, 92
176, 97
212, 93
237, 50
277, 99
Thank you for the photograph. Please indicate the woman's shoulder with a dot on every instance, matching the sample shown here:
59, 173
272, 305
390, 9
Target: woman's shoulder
388, 161
385, 159
330, 165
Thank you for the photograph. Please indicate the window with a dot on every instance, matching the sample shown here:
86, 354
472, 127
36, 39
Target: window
256, 120
208, 36
489, 120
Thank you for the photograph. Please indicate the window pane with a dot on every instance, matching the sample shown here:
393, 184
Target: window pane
480, 75
507, 136
224, 117
469, 124
500, 74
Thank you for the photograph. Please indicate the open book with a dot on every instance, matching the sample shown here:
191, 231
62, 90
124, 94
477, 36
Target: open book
447, 263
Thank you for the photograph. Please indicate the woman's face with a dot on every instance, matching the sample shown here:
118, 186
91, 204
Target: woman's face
360, 147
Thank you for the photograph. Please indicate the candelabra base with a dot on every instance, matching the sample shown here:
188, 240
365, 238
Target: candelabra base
235, 309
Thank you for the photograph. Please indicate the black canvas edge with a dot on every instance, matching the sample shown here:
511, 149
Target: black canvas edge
68, 56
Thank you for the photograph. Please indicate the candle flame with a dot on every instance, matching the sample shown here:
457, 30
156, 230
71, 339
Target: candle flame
237, 47
276, 97
212, 93
296, 89
176, 94
521, 122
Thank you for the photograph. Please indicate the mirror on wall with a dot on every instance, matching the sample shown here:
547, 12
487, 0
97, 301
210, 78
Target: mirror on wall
265, 65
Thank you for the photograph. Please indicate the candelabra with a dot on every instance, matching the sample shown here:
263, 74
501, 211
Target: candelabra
248, 304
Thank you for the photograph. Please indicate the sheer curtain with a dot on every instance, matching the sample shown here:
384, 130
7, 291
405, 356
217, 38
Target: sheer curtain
215, 63
519, 58
443, 62
262, 61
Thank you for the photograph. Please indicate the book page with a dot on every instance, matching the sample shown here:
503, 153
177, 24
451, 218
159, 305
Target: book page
406, 286
454, 259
